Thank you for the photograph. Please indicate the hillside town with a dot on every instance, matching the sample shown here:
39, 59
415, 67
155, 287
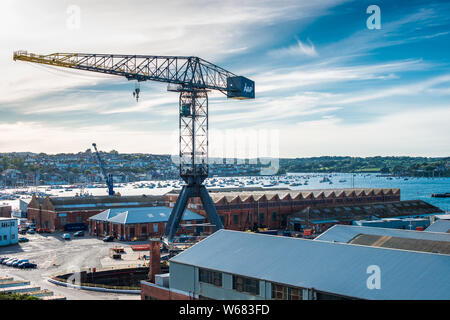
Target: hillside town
29, 169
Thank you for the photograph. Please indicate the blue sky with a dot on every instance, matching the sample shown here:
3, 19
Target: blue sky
325, 83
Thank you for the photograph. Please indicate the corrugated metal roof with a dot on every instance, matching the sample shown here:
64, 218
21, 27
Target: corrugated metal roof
402, 243
104, 215
352, 212
142, 215
344, 233
328, 267
258, 193
439, 226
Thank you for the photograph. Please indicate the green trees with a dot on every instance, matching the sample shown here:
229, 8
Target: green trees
411, 166
16, 296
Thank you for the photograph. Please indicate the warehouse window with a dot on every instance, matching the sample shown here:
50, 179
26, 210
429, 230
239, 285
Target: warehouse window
280, 292
236, 218
243, 284
274, 216
211, 277
155, 227
261, 217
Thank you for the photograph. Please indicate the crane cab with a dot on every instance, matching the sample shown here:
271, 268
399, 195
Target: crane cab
185, 110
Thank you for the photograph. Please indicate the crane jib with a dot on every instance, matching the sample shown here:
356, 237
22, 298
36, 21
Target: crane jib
188, 72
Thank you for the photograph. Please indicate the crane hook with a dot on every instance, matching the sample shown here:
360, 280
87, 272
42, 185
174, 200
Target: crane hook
136, 91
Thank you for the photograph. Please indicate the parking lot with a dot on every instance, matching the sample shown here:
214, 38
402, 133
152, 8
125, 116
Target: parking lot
54, 255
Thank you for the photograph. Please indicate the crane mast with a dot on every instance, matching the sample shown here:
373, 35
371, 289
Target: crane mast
192, 78
108, 177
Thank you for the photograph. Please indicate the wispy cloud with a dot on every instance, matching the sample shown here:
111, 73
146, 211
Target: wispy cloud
299, 49
320, 73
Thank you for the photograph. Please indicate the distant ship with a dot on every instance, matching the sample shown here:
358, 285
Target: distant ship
441, 195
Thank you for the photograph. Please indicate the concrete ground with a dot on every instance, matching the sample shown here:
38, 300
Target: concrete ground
53, 255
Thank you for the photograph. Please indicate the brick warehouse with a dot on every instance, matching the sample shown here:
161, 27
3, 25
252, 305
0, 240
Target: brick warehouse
5, 211
243, 210
54, 213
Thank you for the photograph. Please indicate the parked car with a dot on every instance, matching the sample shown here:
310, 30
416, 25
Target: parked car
66, 236
16, 263
23, 239
27, 265
108, 239
24, 264
3, 259
31, 231
43, 230
10, 262
79, 234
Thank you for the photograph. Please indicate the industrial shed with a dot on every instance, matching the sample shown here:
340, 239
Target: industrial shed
321, 218
139, 222
319, 269
440, 225
243, 209
389, 238
54, 213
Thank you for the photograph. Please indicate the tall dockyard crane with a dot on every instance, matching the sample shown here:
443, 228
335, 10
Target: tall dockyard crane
192, 78
108, 176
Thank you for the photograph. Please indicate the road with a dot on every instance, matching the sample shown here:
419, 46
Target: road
53, 255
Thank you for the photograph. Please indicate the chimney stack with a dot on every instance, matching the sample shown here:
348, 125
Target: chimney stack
155, 261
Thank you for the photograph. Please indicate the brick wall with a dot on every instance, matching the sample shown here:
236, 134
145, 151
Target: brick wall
150, 291
5, 211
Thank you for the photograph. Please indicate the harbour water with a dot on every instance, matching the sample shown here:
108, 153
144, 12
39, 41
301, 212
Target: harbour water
411, 188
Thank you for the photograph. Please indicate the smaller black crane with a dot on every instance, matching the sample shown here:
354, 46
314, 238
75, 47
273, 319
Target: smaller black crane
108, 177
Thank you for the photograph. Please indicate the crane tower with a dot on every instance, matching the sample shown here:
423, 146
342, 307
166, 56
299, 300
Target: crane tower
192, 78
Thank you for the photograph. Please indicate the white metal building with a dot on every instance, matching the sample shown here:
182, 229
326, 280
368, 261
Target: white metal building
241, 265
9, 231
